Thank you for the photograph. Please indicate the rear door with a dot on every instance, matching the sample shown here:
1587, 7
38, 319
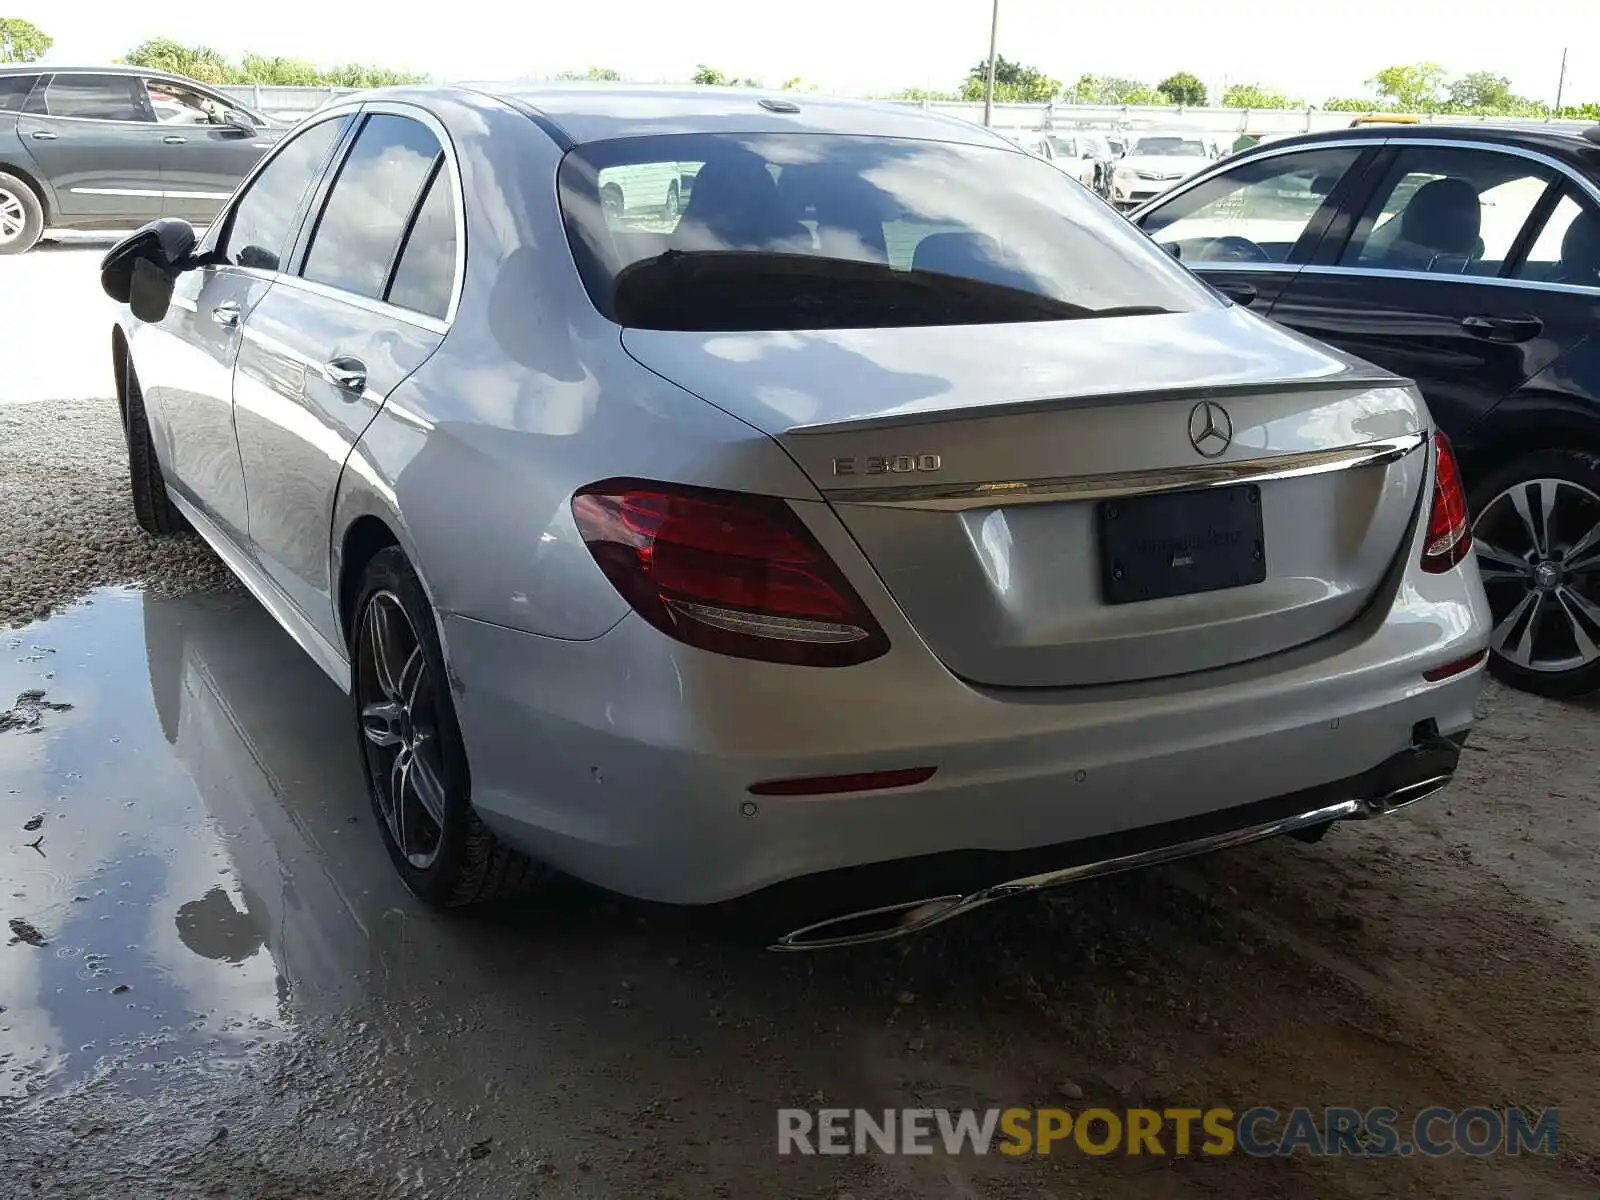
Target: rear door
97, 142
1247, 231
1418, 286
202, 156
365, 305
186, 363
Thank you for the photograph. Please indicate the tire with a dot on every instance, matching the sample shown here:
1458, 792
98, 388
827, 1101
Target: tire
1560, 604
612, 203
674, 205
443, 852
21, 215
152, 507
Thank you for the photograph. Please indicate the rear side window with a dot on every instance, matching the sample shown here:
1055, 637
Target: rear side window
1567, 248
370, 205
93, 97
1253, 213
815, 231
14, 91
1447, 211
425, 277
265, 215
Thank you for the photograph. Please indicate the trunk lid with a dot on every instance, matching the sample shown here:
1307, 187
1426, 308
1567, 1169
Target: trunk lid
1031, 494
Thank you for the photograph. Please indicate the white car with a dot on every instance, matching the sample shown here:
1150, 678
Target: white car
1156, 162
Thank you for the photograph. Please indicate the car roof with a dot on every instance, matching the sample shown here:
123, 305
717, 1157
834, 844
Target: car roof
1566, 141
577, 113
40, 68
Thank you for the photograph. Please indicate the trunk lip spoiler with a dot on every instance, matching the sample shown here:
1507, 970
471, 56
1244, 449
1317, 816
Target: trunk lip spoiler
1349, 380
1122, 484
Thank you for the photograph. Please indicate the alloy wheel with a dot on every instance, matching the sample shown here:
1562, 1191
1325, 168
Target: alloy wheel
1538, 548
12, 216
400, 729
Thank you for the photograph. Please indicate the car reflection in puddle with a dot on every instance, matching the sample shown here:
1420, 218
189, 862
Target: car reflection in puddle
206, 848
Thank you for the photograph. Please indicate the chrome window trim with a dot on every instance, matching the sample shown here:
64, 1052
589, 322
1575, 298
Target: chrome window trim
365, 303
1121, 484
1200, 265
397, 108
223, 220
1537, 285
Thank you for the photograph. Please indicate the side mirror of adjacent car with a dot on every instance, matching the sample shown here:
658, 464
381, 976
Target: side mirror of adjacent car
140, 269
234, 119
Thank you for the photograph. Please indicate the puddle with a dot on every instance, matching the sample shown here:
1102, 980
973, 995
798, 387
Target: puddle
186, 860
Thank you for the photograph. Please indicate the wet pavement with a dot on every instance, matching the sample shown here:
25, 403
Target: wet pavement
231, 993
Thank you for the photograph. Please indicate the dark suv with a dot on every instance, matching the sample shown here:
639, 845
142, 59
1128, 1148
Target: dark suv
114, 147
1466, 258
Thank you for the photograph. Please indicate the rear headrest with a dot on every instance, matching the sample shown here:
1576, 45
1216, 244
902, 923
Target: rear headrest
1443, 216
735, 204
1580, 250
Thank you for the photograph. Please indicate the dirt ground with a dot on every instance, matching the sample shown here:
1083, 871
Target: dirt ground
234, 997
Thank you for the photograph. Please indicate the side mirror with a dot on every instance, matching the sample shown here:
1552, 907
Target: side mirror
232, 118
1173, 249
140, 270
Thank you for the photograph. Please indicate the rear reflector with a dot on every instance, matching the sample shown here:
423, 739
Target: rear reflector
1449, 534
727, 572
1456, 667
823, 785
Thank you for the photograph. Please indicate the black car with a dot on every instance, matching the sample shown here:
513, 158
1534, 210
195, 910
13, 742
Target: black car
1467, 258
114, 147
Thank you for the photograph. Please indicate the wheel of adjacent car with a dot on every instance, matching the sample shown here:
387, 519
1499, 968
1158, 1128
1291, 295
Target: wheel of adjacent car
21, 215
412, 753
152, 507
611, 201
674, 200
1536, 531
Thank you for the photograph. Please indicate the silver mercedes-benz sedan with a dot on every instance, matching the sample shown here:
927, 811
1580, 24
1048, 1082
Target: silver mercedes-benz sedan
882, 525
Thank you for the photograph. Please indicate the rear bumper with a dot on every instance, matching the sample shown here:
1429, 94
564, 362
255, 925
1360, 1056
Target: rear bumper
627, 760
884, 901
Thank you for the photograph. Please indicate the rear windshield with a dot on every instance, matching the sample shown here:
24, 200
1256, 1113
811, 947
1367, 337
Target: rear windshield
810, 231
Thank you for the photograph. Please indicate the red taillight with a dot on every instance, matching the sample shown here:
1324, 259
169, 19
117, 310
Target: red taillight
1449, 531
727, 572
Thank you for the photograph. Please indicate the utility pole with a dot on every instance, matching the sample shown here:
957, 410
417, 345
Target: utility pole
988, 86
1561, 82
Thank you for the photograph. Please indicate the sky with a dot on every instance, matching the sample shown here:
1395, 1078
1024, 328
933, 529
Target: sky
1311, 51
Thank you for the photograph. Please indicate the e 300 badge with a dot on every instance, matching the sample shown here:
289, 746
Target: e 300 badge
886, 464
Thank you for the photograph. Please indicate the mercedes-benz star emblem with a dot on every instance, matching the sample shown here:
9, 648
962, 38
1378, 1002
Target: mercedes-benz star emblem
1210, 428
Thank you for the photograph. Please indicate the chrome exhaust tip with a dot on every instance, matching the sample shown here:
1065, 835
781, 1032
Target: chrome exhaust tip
872, 924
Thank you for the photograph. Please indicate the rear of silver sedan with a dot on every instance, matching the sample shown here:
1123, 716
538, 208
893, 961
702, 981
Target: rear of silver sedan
1055, 580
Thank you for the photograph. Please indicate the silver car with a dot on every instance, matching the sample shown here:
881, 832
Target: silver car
893, 529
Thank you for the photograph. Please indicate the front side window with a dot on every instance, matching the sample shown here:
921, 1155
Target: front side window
1254, 213
812, 231
175, 104
371, 202
1447, 211
93, 97
1567, 248
14, 91
265, 215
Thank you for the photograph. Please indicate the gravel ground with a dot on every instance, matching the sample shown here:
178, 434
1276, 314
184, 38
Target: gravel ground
66, 520
592, 1047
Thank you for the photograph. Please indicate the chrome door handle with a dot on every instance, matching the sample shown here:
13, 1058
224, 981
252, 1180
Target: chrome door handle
1503, 329
43, 135
347, 374
173, 139
226, 314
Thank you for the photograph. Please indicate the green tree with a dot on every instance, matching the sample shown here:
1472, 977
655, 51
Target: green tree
209, 66
22, 41
710, 76
1482, 89
1013, 82
1354, 104
193, 62
1412, 87
1253, 95
1184, 87
598, 74
1111, 89
917, 93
